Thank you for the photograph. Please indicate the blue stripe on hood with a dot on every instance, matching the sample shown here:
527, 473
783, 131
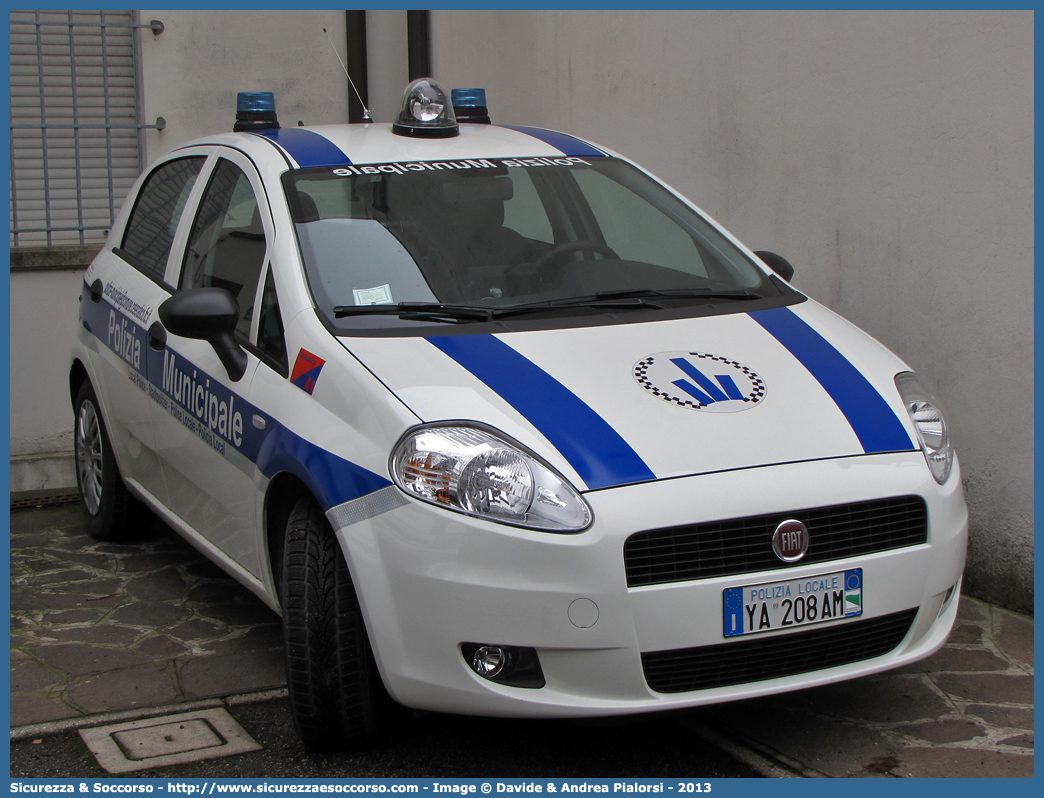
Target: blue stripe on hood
872, 420
595, 450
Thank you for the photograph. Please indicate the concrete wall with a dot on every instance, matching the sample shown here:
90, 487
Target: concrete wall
192, 71
387, 62
888, 155
43, 322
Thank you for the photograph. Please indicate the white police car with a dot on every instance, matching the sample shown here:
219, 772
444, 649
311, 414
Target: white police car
504, 426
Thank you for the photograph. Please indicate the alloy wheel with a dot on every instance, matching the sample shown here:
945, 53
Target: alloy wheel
89, 456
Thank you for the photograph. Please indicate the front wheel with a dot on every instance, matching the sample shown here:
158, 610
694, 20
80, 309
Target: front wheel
336, 695
110, 512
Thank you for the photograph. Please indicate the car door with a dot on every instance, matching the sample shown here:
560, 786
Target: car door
205, 428
123, 290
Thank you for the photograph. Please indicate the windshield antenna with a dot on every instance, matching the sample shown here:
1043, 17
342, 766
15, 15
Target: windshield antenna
366, 111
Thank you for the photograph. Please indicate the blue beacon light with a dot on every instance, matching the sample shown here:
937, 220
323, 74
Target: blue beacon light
255, 110
469, 106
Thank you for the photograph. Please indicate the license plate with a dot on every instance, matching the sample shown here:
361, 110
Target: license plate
772, 606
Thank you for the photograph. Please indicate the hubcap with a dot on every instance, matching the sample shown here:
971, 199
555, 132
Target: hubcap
89, 457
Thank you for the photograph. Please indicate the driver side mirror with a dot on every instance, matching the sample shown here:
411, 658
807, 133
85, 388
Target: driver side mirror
777, 263
208, 314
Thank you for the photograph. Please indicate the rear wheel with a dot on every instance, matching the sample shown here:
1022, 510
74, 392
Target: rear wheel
336, 695
110, 512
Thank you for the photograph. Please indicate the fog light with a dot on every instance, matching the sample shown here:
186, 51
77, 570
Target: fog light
514, 666
488, 661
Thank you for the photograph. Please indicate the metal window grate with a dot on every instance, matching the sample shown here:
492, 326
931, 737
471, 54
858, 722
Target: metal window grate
776, 655
744, 545
76, 127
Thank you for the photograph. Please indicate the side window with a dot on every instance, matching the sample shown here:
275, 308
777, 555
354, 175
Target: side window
226, 247
157, 212
270, 325
636, 229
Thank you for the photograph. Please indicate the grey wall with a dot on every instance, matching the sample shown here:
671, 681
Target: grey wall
192, 72
43, 322
387, 62
888, 155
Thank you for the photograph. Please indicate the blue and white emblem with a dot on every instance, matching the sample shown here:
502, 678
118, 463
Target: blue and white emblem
701, 381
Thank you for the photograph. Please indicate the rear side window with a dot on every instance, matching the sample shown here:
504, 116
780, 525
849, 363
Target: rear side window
157, 212
226, 248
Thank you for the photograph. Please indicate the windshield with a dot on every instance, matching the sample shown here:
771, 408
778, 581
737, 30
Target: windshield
500, 236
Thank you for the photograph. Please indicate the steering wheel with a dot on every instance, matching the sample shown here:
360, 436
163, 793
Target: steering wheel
555, 254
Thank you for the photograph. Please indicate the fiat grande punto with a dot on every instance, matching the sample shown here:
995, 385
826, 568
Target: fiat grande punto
502, 425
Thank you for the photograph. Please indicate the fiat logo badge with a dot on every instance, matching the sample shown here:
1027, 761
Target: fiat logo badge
790, 541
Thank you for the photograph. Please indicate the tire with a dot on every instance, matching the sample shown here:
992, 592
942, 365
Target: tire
337, 698
110, 512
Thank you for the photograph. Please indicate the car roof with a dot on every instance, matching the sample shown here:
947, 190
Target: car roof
374, 143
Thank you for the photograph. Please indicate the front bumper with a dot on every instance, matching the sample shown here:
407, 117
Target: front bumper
429, 580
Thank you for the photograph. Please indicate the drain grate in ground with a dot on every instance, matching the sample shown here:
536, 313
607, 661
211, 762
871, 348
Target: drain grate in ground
43, 498
167, 740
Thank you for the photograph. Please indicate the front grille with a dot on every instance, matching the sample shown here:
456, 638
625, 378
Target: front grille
744, 545
774, 656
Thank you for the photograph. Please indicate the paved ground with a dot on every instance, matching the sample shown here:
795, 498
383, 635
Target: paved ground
101, 627
104, 628
432, 746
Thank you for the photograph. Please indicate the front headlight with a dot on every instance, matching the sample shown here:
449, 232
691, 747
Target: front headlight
481, 473
928, 420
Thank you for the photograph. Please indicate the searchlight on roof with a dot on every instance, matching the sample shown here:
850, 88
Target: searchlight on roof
426, 112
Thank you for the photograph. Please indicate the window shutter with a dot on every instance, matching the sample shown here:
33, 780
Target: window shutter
75, 124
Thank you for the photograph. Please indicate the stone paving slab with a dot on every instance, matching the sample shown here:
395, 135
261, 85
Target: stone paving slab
966, 711
102, 627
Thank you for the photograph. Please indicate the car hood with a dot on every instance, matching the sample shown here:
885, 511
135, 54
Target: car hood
616, 404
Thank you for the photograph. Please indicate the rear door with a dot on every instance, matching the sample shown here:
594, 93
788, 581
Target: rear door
123, 290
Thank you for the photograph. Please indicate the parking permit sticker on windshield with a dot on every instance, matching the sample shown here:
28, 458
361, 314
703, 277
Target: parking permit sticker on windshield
381, 295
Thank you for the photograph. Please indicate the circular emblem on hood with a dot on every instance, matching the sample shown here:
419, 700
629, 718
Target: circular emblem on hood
790, 540
701, 381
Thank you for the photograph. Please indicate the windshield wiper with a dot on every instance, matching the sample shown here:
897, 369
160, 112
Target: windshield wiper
432, 311
631, 299
603, 303
699, 293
